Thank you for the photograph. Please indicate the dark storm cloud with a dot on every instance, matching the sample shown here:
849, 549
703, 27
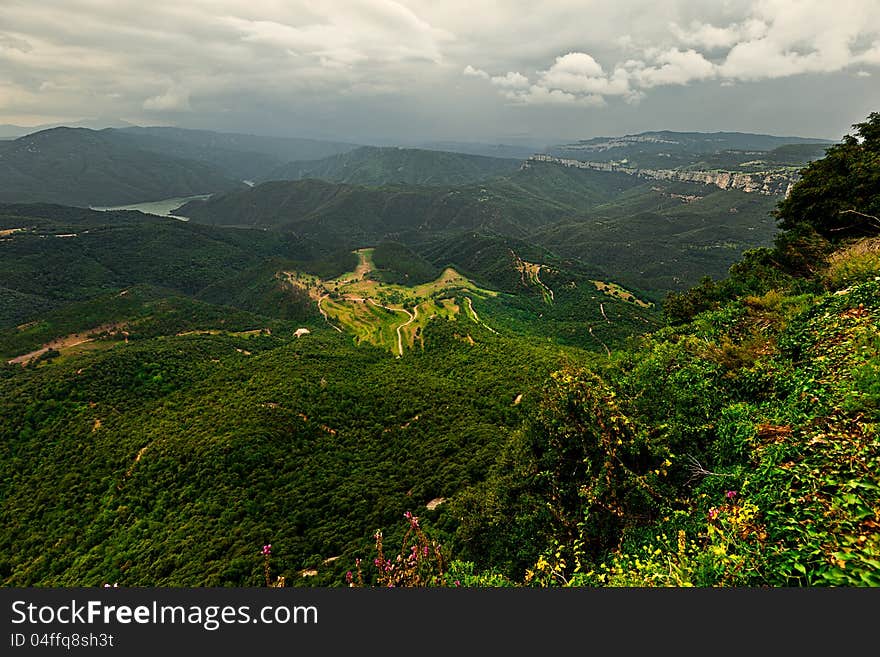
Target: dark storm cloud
374, 69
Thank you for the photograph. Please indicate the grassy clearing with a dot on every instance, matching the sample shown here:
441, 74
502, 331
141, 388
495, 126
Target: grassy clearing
615, 290
388, 315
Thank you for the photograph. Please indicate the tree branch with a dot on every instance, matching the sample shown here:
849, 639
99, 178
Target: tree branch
698, 471
874, 220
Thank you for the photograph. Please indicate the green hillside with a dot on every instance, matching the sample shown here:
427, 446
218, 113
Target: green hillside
52, 255
361, 215
666, 236
737, 447
76, 166
370, 165
181, 394
657, 237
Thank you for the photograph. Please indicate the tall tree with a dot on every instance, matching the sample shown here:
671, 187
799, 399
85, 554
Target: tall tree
839, 195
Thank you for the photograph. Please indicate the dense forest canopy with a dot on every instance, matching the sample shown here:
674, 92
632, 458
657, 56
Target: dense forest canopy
175, 395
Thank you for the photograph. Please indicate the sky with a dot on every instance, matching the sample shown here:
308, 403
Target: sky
502, 71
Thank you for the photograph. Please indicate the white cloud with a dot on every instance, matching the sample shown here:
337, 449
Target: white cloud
312, 61
577, 63
475, 72
538, 95
173, 100
674, 67
869, 56
710, 37
579, 73
755, 40
511, 80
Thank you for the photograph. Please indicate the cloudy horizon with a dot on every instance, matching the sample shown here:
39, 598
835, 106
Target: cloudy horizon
380, 71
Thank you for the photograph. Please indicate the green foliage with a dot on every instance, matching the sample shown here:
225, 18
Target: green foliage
262, 290
398, 265
737, 447
853, 263
167, 459
793, 265
839, 195
638, 234
105, 252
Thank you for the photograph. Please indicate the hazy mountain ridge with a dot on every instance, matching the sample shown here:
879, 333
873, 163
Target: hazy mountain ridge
371, 165
666, 149
82, 167
682, 230
243, 156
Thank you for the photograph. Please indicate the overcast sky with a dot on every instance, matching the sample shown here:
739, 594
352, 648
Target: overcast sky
504, 71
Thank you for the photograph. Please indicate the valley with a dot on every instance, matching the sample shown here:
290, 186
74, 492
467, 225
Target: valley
161, 208
366, 307
578, 361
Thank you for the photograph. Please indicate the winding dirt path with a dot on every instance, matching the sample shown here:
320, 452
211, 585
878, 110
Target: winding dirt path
324, 313
412, 317
477, 317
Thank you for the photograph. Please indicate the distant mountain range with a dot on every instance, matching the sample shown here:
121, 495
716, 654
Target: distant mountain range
9, 131
244, 157
668, 150
650, 235
81, 167
370, 165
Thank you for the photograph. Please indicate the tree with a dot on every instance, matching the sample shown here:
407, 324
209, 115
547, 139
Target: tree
839, 195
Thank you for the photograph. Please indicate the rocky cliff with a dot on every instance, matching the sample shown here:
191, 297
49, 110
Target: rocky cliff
769, 183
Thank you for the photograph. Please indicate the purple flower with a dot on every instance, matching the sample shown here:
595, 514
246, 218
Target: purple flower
267, 550
730, 494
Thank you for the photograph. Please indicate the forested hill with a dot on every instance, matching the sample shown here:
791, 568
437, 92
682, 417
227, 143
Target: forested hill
241, 156
371, 165
739, 446
653, 236
666, 149
81, 167
155, 437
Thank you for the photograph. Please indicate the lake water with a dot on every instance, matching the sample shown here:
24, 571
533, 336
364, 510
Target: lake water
161, 208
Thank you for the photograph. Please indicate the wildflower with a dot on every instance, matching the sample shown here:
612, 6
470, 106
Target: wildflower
348, 577
730, 494
713, 513
457, 583
267, 550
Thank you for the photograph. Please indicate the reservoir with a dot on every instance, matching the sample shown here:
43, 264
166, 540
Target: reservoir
161, 208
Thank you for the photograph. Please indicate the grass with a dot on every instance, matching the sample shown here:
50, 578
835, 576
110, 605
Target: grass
615, 290
388, 315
